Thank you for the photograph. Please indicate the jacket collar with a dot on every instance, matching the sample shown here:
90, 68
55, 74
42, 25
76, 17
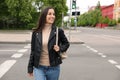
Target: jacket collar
39, 37
52, 34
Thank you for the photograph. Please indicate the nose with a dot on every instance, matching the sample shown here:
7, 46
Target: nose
53, 15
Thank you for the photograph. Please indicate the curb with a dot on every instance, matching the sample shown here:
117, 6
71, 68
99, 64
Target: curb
28, 42
77, 42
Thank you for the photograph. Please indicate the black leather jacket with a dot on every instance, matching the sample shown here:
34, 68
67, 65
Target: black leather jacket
36, 48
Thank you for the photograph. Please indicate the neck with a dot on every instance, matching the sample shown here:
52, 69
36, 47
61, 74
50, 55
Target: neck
48, 26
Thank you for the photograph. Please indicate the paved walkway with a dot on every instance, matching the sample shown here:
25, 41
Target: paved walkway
24, 36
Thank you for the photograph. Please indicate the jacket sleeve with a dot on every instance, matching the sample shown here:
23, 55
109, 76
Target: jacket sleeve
31, 59
63, 41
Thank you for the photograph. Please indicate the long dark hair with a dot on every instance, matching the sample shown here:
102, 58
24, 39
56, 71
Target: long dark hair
42, 19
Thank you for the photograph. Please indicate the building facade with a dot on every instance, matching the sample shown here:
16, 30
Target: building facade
116, 9
107, 11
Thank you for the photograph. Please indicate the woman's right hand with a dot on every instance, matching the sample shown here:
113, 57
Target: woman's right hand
56, 48
30, 74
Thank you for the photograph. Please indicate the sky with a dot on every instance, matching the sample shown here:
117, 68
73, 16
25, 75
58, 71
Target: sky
83, 5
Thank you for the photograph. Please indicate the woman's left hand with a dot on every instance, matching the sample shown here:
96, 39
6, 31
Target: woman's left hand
56, 48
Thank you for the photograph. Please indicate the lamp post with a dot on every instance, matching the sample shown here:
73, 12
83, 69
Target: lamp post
69, 22
74, 7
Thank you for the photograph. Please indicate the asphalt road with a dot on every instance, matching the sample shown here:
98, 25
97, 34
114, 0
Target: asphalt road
97, 59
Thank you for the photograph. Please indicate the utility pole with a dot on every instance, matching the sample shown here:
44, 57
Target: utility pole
74, 7
75, 18
70, 22
62, 19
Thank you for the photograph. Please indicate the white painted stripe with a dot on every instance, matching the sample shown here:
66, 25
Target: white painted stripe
104, 37
17, 55
111, 36
4, 67
112, 62
104, 56
88, 47
100, 53
118, 66
27, 47
84, 44
22, 50
29, 44
8, 50
93, 50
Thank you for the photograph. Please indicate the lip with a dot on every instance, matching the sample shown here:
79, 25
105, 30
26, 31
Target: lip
52, 19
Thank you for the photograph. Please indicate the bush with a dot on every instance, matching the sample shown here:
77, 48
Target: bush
118, 20
31, 25
112, 22
104, 20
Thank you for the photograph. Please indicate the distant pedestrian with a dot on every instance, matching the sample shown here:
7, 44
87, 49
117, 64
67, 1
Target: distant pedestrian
45, 60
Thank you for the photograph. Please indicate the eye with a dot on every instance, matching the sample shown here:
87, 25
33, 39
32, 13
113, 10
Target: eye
54, 14
51, 14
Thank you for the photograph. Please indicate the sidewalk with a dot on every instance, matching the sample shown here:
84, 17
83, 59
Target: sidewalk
24, 36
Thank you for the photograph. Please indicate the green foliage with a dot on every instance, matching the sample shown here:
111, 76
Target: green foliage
3, 8
104, 20
89, 19
20, 10
98, 5
24, 14
4, 14
118, 20
60, 7
112, 22
72, 22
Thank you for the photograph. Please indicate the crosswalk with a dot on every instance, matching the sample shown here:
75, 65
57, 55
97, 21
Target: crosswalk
111, 61
7, 64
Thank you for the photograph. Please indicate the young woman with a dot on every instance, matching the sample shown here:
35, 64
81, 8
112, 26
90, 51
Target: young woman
45, 58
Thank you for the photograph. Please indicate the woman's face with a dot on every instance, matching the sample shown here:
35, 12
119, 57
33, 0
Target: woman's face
50, 16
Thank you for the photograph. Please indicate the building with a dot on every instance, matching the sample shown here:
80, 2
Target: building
111, 11
107, 11
116, 9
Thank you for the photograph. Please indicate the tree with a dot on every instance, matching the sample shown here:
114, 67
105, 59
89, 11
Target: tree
20, 10
59, 6
25, 13
91, 18
4, 14
98, 5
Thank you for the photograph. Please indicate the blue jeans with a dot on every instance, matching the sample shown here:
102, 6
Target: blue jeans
47, 73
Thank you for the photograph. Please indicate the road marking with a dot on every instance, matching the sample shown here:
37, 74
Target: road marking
29, 44
105, 37
4, 67
93, 50
8, 50
112, 61
100, 53
111, 36
17, 55
84, 44
88, 47
104, 56
27, 47
118, 66
22, 50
